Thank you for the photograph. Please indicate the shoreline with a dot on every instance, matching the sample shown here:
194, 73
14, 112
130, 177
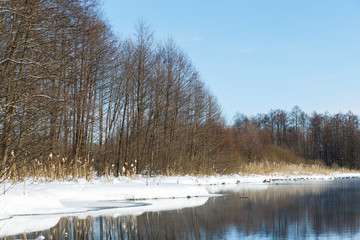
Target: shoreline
55, 199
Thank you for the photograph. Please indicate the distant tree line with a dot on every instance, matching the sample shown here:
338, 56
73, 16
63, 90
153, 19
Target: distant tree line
74, 97
331, 138
72, 93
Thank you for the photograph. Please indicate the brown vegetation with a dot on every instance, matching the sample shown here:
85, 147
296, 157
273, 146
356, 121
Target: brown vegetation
295, 137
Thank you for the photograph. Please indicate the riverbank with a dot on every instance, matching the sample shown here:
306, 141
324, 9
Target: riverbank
40, 205
36, 197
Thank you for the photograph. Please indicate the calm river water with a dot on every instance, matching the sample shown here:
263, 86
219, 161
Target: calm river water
300, 210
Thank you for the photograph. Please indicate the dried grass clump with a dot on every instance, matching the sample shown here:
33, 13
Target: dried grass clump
51, 167
279, 160
267, 167
55, 167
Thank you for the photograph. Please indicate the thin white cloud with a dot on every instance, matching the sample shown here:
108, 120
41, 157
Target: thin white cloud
247, 50
194, 39
293, 45
230, 49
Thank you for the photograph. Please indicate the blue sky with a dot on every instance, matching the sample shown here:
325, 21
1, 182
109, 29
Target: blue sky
259, 55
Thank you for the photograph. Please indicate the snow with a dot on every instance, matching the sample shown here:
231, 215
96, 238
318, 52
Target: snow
40, 204
18, 225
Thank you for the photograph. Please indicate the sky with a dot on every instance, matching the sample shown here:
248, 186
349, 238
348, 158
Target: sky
258, 55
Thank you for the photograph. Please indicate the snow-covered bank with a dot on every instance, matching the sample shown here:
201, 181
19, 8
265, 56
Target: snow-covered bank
44, 203
20, 206
60, 197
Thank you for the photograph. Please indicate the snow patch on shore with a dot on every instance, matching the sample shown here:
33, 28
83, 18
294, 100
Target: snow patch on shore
34, 202
67, 196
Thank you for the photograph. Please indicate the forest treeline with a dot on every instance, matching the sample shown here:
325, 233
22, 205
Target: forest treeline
73, 94
331, 138
75, 98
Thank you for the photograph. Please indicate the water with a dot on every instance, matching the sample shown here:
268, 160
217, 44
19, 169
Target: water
305, 210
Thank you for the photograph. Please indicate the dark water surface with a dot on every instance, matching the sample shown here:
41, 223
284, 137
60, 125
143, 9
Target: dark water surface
302, 210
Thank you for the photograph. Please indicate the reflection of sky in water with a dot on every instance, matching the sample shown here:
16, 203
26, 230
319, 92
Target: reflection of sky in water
306, 210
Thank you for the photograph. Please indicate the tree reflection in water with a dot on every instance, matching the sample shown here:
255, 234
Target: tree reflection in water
281, 211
